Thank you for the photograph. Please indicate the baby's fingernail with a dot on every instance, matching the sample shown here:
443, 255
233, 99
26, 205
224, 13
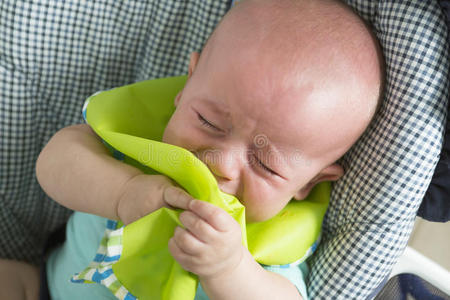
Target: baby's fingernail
192, 203
167, 192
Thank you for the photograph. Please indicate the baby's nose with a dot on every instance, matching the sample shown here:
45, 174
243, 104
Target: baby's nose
225, 167
218, 175
230, 185
222, 164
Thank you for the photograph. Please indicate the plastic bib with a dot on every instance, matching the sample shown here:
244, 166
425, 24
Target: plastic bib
134, 261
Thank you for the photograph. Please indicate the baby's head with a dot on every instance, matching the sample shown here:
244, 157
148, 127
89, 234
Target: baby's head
282, 89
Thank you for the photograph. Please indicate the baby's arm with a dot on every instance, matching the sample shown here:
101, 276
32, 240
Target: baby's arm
211, 247
76, 170
249, 281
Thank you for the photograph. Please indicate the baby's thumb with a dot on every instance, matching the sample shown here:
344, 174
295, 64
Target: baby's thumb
177, 197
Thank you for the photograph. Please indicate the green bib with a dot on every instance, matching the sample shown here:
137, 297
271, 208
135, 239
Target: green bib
131, 119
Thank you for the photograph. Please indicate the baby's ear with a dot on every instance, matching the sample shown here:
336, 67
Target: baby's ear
177, 98
193, 63
331, 173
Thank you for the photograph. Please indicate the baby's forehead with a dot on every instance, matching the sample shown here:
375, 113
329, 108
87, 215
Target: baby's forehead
289, 28
304, 118
276, 117
294, 83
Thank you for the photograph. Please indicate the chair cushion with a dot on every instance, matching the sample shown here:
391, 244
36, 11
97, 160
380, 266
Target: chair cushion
373, 207
436, 203
53, 54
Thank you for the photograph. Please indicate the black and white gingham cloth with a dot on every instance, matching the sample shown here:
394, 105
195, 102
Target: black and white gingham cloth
436, 203
53, 54
373, 207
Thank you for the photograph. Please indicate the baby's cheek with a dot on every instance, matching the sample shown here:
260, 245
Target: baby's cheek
178, 133
263, 202
169, 135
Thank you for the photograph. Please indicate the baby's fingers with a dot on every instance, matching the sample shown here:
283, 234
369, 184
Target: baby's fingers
213, 215
187, 242
177, 197
198, 227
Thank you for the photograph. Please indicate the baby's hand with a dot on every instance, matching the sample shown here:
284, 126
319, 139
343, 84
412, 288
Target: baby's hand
142, 195
211, 243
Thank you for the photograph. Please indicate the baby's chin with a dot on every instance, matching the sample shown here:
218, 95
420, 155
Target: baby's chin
255, 218
257, 215
165, 138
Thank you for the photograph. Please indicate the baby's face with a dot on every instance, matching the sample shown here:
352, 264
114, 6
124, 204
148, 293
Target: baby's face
258, 130
269, 109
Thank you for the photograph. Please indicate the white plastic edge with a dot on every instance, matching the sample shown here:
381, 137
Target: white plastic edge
415, 263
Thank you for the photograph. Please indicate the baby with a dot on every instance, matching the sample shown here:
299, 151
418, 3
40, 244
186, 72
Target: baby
281, 90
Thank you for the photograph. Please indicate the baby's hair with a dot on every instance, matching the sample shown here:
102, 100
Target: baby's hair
380, 57
380, 92
381, 61
382, 65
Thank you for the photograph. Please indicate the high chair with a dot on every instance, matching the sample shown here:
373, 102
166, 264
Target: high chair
54, 54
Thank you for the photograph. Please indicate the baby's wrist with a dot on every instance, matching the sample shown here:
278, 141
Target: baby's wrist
219, 285
140, 195
231, 271
121, 199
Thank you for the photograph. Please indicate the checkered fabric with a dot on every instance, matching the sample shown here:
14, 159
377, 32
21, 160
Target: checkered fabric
54, 54
373, 207
436, 205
